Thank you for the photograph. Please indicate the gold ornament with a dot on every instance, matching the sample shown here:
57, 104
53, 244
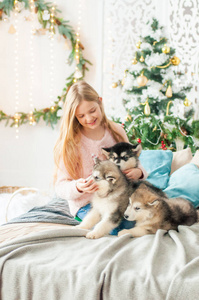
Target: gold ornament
166, 49
175, 61
12, 30
169, 92
168, 104
138, 44
142, 58
142, 80
134, 61
155, 128
128, 118
147, 109
114, 85
123, 80
187, 102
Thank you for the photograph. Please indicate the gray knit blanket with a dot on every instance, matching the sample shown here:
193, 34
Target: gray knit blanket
56, 211
62, 264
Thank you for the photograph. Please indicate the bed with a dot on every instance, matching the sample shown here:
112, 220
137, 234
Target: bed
44, 256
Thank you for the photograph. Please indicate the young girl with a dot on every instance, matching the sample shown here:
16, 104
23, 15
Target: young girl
84, 130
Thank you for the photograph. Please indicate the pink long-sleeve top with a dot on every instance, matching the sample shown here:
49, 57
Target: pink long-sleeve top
65, 186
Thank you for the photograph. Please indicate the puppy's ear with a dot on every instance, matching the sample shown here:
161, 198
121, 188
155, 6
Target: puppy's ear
96, 160
154, 203
137, 150
106, 152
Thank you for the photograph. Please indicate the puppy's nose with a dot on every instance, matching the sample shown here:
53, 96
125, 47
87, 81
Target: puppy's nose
126, 216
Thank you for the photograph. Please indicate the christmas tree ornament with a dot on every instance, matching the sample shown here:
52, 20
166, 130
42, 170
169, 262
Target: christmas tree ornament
155, 128
166, 49
128, 118
123, 80
169, 92
138, 44
168, 104
139, 140
142, 58
147, 110
12, 30
46, 15
114, 85
187, 102
134, 61
142, 80
175, 60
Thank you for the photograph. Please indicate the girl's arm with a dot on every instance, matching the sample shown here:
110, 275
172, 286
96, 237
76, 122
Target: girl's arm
70, 189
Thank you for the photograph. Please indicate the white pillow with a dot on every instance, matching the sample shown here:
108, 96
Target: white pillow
181, 158
195, 159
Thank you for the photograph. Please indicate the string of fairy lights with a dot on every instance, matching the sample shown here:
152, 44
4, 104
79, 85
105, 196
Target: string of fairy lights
32, 62
78, 73
16, 66
51, 18
52, 58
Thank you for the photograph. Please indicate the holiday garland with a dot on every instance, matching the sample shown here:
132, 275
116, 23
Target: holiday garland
47, 17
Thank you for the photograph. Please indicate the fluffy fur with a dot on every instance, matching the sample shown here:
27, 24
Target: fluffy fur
124, 155
153, 210
109, 201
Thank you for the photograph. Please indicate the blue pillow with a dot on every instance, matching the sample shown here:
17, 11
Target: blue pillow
157, 163
184, 183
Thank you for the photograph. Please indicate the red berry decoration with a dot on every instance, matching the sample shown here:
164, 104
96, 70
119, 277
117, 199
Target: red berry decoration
139, 140
163, 146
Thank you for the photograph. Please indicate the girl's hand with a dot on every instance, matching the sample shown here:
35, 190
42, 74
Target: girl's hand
133, 174
86, 185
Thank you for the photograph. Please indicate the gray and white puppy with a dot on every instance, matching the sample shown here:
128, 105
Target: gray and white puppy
124, 155
109, 201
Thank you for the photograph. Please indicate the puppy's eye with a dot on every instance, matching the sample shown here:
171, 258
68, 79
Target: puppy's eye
125, 158
96, 178
137, 208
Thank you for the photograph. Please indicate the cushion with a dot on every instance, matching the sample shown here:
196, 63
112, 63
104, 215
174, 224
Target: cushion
181, 158
195, 159
185, 183
157, 163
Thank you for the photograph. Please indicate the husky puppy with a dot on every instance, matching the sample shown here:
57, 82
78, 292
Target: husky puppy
109, 201
153, 210
124, 155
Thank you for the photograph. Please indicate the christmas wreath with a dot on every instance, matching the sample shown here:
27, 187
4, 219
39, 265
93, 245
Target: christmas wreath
47, 16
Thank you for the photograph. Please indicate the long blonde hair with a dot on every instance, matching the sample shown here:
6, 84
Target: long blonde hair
66, 147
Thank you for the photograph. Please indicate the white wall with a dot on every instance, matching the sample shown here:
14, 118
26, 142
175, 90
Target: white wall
109, 31
28, 160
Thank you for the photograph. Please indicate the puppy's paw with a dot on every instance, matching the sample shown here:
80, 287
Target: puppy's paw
122, 232
93, 235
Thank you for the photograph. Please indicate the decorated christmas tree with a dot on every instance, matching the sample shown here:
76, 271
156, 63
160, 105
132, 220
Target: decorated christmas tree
159, 113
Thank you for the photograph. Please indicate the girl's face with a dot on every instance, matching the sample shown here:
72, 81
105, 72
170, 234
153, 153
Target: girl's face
89, 114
